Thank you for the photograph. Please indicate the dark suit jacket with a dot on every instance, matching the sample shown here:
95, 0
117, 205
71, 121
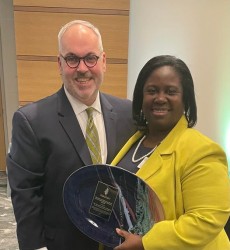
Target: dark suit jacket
47, 146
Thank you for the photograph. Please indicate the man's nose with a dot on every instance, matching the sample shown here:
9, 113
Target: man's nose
81, 66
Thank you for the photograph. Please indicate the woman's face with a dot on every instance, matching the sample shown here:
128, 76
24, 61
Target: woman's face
163, 99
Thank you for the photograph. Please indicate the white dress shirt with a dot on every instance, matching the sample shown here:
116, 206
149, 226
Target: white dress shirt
80, 112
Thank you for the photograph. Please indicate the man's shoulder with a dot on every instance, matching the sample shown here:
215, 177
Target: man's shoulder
116, 100
40, 104
40, 109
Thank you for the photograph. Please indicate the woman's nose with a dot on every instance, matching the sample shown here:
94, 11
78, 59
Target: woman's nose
160, 97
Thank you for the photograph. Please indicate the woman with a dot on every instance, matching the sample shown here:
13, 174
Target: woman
187, 170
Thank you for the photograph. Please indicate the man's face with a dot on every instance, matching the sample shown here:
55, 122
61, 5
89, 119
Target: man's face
81, 82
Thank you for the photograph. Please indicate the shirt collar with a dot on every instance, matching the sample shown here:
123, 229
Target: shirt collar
80, 107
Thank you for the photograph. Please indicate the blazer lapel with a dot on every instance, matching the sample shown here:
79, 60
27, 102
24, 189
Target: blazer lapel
163, 151
151, 166
72, 128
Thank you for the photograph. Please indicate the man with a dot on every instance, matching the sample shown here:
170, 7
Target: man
48, 141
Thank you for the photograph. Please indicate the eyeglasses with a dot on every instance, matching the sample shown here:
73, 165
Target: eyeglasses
73, 61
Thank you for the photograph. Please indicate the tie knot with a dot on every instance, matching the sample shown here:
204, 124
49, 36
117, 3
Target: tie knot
90, 111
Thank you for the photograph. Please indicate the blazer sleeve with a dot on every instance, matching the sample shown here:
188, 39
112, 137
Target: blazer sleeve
25, 166
205, 197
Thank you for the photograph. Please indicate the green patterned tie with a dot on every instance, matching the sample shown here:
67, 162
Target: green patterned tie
92, 138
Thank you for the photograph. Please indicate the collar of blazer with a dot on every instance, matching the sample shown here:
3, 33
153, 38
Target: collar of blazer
166, 147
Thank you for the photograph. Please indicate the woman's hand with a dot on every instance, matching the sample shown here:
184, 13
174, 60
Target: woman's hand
132, 241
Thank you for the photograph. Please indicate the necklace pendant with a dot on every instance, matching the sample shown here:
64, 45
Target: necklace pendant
142, 162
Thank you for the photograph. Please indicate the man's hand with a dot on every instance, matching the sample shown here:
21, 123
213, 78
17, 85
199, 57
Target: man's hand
131, 242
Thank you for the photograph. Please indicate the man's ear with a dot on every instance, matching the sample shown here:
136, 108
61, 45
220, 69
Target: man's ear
59, 64
104, 61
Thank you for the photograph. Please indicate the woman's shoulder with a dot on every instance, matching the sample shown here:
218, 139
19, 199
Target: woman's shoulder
196, 136
192, 139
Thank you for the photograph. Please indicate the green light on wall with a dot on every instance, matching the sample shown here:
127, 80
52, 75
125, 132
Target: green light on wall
227, 145
222, 103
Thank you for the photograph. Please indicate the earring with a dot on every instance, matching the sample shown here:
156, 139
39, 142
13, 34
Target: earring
142, 118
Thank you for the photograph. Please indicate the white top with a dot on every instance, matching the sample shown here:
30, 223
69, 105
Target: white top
80, 111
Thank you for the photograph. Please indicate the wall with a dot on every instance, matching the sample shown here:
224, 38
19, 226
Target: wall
8, 77
37, 24
198, 32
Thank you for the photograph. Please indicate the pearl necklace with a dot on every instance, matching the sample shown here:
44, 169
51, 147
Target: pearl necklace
137, 147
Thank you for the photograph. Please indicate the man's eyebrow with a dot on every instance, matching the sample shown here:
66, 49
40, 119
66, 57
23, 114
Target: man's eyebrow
72, 54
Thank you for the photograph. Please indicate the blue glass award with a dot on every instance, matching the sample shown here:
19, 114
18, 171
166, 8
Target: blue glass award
100, 198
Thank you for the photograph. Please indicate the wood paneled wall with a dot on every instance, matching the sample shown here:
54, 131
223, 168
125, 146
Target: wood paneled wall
37, 23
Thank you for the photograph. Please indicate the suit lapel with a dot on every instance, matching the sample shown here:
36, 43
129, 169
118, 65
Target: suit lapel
72, 128
110, 119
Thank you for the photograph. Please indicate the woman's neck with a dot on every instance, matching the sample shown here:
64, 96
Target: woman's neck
153, 139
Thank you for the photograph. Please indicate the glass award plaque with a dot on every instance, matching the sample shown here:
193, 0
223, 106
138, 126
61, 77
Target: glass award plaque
100, 198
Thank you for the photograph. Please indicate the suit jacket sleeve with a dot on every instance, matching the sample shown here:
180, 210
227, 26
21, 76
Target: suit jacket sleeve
26, 182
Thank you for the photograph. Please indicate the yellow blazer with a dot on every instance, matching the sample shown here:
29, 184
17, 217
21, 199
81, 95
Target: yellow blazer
188, 172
